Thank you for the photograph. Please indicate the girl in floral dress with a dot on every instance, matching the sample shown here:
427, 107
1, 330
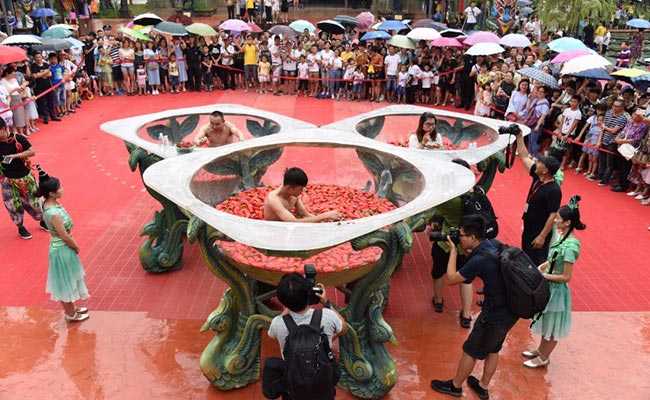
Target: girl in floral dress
555, 321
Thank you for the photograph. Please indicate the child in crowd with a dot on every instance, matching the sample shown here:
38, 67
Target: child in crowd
624, 56
141, 78
303, 76
427, 79
484, 101
173, 73
264, 74
348, 77
402, 81
357, 83
594, 128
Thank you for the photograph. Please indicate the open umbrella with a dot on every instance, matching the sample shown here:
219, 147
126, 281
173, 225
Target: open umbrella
594, 73
65, 26
331, 26
485, 49
423, 34
52, 45
147, 19
629, 73
11, 54
570, 55
143, 29
56, 33
255, 28
346, 20
366, 20
22, 40
481, 37
391, 25
539, 76
375, 35
429, 23
43, 12
584, 63
642, 82
638, 23
134, 35
566, 44
201, 29
515, 40
526, 11
235, 25
283, 30
452, 33
401, 41
446, 42
76, 44
172, 28
300, 25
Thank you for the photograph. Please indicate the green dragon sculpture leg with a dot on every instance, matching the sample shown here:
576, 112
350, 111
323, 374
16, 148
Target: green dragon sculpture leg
162, 251
232, 358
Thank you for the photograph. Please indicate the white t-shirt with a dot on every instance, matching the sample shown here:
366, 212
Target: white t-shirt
472, 13
402, 79
570, 116
427, 77
349, 73
303, 70
291, 62
358, 77
312, 60
276, 56
327, 58
414, 143
392, 62
415, 73
330, 322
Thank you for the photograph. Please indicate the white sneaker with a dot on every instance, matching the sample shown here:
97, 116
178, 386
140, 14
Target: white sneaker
77, 317
639, 197
536, 362
632, 193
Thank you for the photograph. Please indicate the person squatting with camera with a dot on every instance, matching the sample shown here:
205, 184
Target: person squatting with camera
303, 373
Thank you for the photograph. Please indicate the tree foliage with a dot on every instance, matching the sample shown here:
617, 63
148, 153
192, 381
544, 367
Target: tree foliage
567, 14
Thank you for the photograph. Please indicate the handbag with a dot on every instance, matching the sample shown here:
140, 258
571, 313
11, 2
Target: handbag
627, 150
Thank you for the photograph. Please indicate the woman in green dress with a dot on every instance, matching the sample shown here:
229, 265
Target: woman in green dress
555, 321
65, 276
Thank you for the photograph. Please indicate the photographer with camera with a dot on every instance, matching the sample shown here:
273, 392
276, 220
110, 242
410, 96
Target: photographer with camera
494, 322
303, 373
542, 202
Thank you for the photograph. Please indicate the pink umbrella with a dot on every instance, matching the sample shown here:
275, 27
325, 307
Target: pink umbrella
569, 55
481, 37
235, 25
446, 42
254, 27
366, 20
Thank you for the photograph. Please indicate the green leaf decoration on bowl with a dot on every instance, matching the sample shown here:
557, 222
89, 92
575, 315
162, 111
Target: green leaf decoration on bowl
371, 127
258, 130
173, 130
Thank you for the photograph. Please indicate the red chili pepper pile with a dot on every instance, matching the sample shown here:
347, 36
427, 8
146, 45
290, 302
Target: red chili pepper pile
352, 203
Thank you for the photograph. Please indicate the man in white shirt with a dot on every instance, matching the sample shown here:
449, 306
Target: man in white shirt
391, 62
326, 57
276, 64
471, 16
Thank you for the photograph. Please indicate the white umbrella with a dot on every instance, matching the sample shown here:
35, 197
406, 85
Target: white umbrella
515, 40
22, 39
583, 63
423, 34
485, 49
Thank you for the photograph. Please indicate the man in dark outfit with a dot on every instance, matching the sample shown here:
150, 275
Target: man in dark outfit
542, 203
41, 74
193, 57
495, 321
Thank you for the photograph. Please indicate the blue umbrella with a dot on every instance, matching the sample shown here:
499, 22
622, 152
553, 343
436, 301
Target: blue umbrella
392, 25
374, 35
642, 83
638, 23
43, 12
596, 73
566, 44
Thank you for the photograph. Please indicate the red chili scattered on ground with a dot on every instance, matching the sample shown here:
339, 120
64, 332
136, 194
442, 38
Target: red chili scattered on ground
352, 203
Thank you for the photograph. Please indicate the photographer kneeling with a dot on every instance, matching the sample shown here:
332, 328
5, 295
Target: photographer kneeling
301, 374
494, 322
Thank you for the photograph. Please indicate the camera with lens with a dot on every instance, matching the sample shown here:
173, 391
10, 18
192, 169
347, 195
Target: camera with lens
310, 276
438, 236
512, 129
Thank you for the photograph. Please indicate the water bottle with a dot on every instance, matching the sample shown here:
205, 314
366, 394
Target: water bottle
160, 142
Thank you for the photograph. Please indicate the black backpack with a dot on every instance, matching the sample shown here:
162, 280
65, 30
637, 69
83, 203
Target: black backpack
527, 291
312, 372
477, 202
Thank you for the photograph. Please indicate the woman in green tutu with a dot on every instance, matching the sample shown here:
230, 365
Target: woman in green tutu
65, 276
555, 321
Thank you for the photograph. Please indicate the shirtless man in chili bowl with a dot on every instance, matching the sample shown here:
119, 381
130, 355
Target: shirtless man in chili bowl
284, 203
218, 132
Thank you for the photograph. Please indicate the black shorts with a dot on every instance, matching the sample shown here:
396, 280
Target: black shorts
117, 74
488, 334
440, 260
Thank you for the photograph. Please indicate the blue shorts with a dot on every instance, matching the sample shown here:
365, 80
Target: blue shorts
59, 95
391, 83
356, 88
400, 91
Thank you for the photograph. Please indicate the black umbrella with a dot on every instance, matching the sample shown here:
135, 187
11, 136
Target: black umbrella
346, 20
452, 33
147, 19
331, 26
429, 23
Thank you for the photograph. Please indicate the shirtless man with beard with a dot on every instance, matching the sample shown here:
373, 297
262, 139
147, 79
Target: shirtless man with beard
218, 132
